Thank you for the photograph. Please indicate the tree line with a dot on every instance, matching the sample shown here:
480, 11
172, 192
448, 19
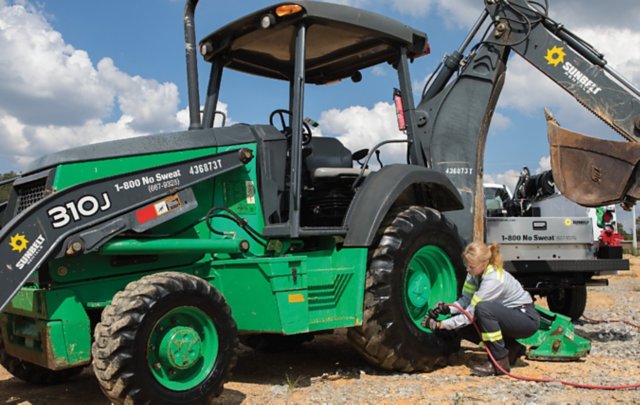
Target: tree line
6, 189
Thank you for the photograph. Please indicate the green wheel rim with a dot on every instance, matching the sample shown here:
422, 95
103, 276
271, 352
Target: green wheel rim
430, 278
182, 348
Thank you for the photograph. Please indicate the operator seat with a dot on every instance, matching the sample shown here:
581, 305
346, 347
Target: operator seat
328, 158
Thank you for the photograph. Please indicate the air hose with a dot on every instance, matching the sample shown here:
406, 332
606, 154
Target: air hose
597, 321
546, 380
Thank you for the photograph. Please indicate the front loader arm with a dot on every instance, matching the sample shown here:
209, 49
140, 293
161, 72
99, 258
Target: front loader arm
106, 206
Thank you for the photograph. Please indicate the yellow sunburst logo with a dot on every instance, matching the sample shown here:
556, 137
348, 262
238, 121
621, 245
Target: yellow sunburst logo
555, 55
18, 242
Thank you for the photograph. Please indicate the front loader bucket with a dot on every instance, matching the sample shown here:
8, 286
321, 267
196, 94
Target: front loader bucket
593, 172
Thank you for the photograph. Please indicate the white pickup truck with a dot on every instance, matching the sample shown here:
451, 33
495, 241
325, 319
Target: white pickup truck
550, 244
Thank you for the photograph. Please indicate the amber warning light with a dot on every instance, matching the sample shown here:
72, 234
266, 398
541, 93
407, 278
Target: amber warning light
397, 100
288, 9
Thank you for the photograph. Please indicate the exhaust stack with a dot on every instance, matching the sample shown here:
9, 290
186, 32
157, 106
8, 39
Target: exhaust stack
192, 65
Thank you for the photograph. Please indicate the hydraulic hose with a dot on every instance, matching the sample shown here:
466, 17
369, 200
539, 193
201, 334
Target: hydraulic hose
546, 380
597, 321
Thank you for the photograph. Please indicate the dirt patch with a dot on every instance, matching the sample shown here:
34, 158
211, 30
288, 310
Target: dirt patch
328, 370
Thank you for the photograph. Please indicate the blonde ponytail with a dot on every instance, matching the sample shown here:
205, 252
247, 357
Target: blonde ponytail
481, 252
496, 257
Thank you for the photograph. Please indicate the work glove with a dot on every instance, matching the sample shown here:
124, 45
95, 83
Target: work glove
428, 322
440, 309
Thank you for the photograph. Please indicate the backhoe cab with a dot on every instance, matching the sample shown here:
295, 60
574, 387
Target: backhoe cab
310, 43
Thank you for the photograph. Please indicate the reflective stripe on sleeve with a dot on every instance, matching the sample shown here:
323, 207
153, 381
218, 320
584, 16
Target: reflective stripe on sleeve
469, 288
475, 300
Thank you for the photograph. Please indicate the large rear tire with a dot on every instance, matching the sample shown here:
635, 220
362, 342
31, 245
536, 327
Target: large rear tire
167, 338
570, 301
415, 264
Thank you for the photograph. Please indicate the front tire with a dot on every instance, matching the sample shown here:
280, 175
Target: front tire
167, 338
416, 264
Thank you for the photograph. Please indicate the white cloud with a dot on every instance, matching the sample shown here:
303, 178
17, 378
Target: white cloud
151, 105
358, 127
53, 96
544, 164
500, 122
578, 13
510, 177
379, 70
458, 13
44, 80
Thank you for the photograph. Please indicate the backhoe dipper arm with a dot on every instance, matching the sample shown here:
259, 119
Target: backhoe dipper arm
456, 110
569, 61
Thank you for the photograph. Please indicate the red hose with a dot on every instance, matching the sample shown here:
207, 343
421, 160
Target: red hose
595, 321
547, 380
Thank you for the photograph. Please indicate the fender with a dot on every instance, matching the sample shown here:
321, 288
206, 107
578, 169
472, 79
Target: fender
396, 185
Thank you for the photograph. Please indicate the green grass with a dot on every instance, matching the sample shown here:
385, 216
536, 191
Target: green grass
292, 382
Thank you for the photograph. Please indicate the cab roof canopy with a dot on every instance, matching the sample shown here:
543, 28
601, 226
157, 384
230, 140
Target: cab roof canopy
340, 41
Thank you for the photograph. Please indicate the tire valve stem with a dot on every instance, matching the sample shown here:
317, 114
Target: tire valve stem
157, 366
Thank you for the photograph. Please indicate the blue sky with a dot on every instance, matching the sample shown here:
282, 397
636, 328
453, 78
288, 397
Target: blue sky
76, 72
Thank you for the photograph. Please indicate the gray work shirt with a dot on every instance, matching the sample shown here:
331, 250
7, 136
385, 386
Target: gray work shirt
494, 285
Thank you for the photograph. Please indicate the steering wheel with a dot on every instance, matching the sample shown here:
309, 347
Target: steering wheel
286, 130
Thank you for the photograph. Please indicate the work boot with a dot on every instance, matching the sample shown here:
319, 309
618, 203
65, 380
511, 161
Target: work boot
515, 353
487, 368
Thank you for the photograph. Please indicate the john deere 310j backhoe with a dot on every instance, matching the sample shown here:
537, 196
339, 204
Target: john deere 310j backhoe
151, 256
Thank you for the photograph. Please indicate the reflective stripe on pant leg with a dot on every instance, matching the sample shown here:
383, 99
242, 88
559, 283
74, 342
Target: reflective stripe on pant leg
485, 314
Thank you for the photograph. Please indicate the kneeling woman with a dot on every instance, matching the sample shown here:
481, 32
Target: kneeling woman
502, 309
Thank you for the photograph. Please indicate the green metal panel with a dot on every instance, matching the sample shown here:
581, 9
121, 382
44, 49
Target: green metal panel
48, 328
265, 294
336, 287
71, 174
555, 339
321, 290
237, 191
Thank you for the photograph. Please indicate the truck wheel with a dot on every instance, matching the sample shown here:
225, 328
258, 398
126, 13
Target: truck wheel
167, 338
33, 373
415, 264
570, 301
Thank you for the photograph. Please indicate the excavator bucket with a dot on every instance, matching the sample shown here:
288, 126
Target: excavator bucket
593, 172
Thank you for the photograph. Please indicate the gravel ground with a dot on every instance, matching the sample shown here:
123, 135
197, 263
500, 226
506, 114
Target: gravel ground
328, 371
